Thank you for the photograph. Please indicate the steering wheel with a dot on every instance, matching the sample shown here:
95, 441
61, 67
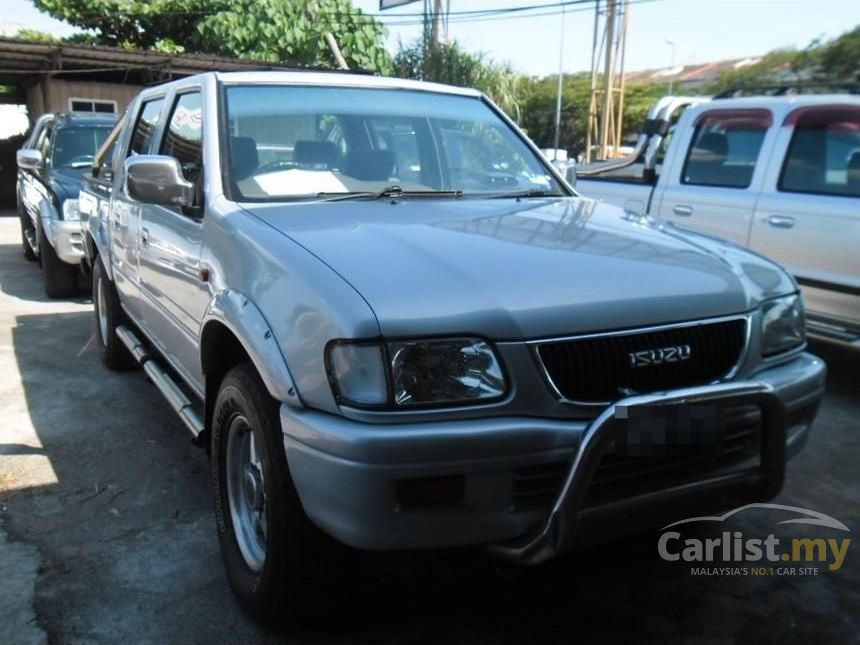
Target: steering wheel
80, 159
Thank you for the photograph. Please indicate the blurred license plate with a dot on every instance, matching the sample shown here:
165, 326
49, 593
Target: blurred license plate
669, 430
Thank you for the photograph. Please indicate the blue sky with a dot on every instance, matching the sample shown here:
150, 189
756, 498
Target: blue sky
704, 30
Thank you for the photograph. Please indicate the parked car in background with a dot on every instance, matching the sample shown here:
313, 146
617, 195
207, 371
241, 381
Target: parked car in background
51, 163
779, 175
405, 330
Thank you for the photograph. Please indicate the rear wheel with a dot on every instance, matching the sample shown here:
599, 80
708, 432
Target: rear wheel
60, 279
277, 562
109, 316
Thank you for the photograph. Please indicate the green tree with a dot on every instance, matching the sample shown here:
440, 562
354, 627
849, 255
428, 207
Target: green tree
773, 68
36, 36
273, 30
539, 109
839, 59
451, 64
268, 30
836, 60
137, 24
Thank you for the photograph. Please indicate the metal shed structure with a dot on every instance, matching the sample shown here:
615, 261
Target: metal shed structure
58, 77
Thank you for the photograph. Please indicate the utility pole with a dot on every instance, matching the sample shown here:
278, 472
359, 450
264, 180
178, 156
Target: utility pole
606, 104
671, 44
560, 88
608, 69
435, 32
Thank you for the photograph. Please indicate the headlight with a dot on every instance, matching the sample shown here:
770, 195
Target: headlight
71, 210
782, 325
416, 372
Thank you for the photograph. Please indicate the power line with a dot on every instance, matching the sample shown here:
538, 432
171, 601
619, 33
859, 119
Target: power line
356, 13
493, 18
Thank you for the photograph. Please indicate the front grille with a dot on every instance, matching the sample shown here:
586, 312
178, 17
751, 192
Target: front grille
599, 369
619, 477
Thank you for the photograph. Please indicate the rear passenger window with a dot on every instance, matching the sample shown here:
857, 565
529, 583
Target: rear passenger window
725, 148
144, 129
824, 154
184, 136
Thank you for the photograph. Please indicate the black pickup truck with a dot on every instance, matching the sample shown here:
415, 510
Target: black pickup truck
54, 158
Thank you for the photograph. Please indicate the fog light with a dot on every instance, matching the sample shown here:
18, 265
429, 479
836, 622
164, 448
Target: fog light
431, 491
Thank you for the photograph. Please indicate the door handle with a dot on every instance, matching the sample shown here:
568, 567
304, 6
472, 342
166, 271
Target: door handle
780, 221
682, 210
144, 237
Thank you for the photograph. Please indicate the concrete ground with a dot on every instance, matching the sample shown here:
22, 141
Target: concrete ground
107, 532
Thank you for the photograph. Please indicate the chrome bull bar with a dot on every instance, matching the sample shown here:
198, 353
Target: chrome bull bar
558, 532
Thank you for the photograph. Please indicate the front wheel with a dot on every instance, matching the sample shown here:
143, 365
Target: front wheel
60, 279
273, 555
28, 237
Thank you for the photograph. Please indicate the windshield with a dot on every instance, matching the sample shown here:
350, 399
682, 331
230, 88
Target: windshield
293, 141
76, 147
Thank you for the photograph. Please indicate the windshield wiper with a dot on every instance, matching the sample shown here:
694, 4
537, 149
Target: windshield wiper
531, 192
389, 192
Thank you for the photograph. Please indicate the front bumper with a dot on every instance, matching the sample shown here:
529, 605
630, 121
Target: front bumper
350, 475
65, 236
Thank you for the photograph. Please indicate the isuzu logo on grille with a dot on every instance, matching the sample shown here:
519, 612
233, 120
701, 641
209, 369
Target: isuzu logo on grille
673, 354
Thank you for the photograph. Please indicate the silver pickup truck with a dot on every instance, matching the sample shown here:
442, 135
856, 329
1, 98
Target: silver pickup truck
779, 175
393, 325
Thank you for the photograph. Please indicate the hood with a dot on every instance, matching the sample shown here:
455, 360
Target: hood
66, 182
508, 269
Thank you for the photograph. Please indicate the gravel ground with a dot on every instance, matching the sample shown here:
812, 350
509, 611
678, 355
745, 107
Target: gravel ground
107, 532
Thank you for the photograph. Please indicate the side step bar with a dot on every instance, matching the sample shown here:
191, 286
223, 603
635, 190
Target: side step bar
162, 380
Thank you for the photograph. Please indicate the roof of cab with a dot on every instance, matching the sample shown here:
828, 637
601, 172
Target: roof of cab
84, 118
779, 105
324, 78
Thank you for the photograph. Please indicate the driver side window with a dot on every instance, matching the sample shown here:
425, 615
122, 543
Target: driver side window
145, 127
183, 138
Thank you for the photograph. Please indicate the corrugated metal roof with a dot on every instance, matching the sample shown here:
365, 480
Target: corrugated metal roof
24, 61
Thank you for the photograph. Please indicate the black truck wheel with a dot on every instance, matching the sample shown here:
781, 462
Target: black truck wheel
277, 562
27, 231
59, 279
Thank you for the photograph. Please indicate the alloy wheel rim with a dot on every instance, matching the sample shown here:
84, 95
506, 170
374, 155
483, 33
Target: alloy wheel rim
246, 492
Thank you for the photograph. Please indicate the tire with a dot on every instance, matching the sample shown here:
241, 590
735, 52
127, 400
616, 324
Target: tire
26, 226
108, 316
60, 279
288, 582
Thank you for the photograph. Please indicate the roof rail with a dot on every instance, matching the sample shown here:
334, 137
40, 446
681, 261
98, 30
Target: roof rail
791, 88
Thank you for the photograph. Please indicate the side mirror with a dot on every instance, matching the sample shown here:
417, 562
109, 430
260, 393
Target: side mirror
157, 179
29, 159
568, 169
570, 173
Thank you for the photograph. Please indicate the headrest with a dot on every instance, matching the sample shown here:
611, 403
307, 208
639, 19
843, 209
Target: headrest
243, 153
712, 143
369, 165
315, 153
